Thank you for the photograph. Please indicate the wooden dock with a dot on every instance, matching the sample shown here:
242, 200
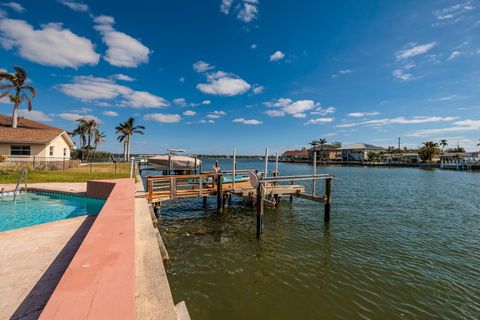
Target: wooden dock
261, 191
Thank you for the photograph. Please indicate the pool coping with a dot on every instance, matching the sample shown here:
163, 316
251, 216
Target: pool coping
99, 282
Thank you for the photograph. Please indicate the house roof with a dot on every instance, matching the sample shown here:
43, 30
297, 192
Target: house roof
29, 131
361, 146
296, 153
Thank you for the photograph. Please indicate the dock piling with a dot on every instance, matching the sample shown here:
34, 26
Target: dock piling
219, 193
328, 199
260, 205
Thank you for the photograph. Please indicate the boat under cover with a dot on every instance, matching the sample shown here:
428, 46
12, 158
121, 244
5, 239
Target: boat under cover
177, 162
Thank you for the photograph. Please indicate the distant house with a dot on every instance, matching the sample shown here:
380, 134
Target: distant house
326, 152
358, 151
295, 154
33, 139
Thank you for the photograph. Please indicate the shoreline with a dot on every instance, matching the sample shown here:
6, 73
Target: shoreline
459, 167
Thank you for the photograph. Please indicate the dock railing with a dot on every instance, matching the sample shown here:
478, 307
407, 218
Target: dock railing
170, 187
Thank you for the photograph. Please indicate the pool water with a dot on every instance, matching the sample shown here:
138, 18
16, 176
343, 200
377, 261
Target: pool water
30, 208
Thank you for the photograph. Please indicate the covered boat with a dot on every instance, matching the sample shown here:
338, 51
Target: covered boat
174, 162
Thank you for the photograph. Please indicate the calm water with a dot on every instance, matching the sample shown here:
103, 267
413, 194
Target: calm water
35, 208
402, 243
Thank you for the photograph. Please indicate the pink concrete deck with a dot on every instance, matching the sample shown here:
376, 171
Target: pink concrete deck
32, 261
99, 283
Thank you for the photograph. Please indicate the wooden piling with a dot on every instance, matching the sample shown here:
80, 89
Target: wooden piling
219, 193
328, 199
314, 182
204, 201
291, 196
260, 205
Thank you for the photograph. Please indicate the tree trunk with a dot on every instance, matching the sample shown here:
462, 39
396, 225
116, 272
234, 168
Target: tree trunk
125, 149
15, 115
128, 148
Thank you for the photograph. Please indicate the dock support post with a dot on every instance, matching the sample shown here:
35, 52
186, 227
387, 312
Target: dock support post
328, 199
219, 193
314, 182
291, 196
260, 204
265, 172
204, 201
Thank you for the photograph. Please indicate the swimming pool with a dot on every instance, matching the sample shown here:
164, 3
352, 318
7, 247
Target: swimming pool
32, 208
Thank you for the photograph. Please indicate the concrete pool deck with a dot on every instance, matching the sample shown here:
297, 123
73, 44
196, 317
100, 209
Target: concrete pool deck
32, 261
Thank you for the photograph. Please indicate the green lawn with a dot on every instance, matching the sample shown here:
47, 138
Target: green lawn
10, 174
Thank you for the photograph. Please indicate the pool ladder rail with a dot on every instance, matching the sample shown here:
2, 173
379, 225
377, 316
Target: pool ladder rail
23, 174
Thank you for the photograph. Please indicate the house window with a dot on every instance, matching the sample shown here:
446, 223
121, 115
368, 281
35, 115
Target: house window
19, 150
64, 152
51, 151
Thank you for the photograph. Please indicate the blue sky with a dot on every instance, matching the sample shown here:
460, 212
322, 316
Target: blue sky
209, 76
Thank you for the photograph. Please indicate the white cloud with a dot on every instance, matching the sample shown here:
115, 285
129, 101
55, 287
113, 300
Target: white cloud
257, 89
319, 121
224, 84
189, 113
123, 50
216, 114
182, 79
89, 88
249, 122
453, 55
51, 45
253, 46
449, 98
110, 113
206, 102
249, 11
342, 72
206, 121
74, 5
277, 56
295, 108
322, 112
458, 126
362, 114
225, 6
180, 102
15, 6
202, 66
122, 77
402, 75
162, 117
81, 110
274, 113
75, 116
35, 115
414, 51
453, 12
397, 120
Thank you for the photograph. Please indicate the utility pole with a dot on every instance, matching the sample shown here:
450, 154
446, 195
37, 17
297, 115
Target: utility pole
398, 143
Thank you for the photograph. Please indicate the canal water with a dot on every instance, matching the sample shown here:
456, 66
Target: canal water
402, 243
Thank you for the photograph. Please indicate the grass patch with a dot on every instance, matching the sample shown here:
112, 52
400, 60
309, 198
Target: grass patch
83, 173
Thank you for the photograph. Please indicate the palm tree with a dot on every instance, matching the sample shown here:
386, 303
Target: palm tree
86, 129
443, 143
15, 89
321, 142
125, 131
428, 150
314, 144
98, 138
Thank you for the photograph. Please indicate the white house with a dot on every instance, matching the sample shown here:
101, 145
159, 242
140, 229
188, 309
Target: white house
358, 151
33, 139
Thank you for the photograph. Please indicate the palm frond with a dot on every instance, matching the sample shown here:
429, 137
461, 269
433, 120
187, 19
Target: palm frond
4, 94
32, 90
29, 102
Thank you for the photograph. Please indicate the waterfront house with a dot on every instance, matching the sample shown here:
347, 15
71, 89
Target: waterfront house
326, 152
295, 154
358, 151
33, 139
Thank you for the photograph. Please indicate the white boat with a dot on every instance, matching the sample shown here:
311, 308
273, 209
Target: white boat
174, 162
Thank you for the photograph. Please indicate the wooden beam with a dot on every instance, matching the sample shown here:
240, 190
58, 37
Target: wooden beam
328, 198
310, 197
260, 204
